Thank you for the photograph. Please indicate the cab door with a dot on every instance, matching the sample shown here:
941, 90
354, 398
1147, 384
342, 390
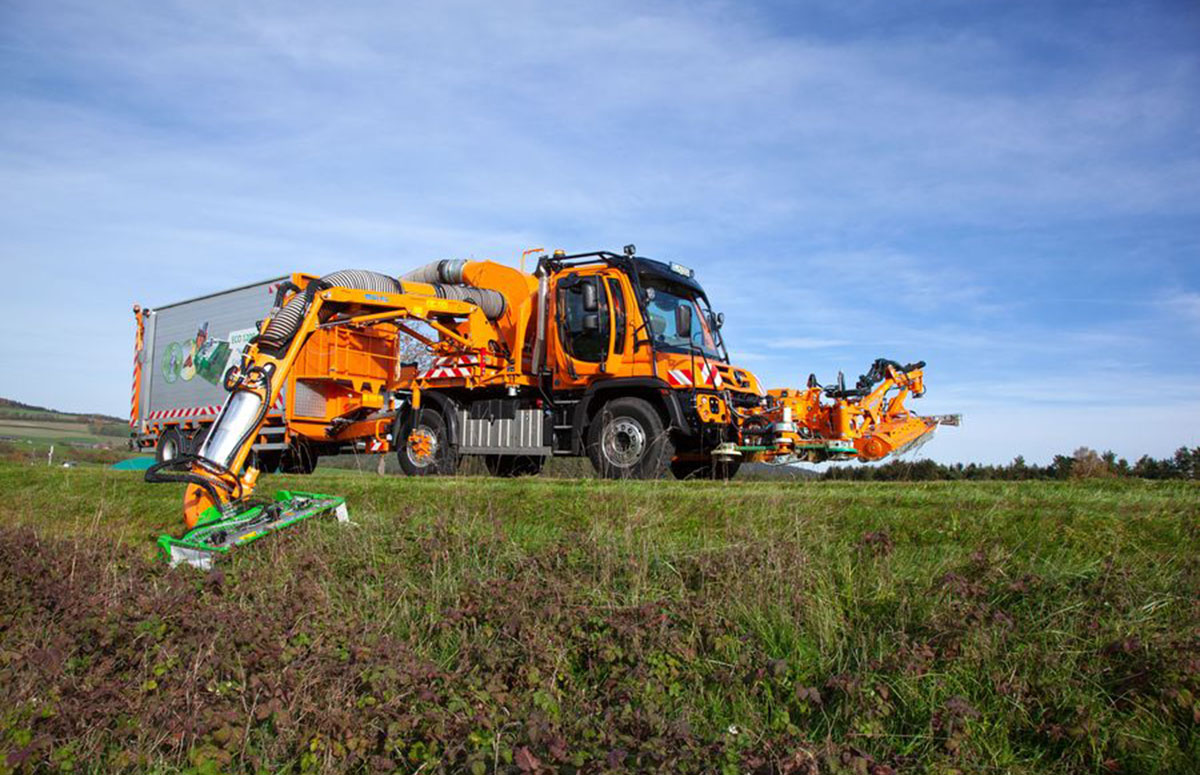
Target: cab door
581, 312
624, 352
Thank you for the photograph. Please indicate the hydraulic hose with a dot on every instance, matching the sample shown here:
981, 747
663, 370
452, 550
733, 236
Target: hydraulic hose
167, 472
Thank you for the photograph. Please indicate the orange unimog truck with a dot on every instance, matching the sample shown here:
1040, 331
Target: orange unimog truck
613, 356
620, 358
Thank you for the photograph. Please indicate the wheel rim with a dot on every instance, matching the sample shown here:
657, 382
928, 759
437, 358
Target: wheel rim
624, 442
169, 450
422, 446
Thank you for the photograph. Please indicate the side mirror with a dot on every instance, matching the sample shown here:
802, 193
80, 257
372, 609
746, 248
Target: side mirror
591, 300
683, 321
591, 322
717, 320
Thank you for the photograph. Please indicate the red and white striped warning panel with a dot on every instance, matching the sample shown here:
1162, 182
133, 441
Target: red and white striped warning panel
188, 412
678, 378
706, 376
184, 412
136, 390
449, 367
375, 445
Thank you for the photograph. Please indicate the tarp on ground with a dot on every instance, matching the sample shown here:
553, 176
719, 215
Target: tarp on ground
139, 463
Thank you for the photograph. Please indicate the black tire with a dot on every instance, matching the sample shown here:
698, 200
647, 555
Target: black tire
514, 465
704, 469
170, 445
298, 458
197, 440
270, 461
627, 440
440, 459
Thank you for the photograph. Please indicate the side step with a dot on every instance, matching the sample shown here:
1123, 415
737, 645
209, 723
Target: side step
219, 533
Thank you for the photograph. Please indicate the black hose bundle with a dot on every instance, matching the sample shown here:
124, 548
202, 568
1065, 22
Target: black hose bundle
165, 472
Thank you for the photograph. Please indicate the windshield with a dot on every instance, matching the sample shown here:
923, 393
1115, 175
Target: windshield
665, 298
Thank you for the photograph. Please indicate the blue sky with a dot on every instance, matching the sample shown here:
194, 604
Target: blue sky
1009, 191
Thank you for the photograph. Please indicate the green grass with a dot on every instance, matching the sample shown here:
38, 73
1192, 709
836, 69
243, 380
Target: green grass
472, 624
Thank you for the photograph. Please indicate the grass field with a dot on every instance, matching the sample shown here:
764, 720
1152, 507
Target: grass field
477, 625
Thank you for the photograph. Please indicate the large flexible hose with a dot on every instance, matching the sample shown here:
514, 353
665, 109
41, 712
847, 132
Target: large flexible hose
446, 276
491, 302
449, 271
286, 322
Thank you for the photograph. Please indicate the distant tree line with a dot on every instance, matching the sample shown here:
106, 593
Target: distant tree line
1085, 463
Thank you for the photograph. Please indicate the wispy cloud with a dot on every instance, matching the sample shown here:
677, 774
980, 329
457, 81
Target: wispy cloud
803, 343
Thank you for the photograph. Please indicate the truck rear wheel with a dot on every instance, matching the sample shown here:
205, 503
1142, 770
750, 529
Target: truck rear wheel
423, 446
269, 461
627, 440
170, 445
197, 440
514, 465
298, 458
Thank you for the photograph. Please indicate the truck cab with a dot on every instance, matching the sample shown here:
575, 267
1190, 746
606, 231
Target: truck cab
641, 332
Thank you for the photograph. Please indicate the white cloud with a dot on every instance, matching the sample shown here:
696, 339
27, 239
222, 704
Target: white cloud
803, 343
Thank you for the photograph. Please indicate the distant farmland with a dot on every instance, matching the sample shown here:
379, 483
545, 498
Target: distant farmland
21, 421
479, 625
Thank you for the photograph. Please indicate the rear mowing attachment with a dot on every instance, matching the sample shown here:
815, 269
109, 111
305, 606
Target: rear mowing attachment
217, 533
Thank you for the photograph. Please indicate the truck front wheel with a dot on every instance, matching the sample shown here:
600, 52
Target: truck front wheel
423, 445
627, 440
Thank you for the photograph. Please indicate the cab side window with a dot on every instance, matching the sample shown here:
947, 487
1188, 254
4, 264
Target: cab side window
584, 331
618, 304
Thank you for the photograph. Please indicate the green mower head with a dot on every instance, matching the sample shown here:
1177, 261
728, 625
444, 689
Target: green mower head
219, 532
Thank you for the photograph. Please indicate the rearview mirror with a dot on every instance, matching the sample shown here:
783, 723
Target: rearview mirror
718, 320
683, 321
591, 301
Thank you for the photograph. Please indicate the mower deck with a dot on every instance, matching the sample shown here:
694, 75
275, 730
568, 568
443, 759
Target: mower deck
219, 533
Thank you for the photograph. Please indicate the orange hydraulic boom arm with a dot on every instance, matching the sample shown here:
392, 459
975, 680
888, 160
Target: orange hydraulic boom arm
215, 475
869, 421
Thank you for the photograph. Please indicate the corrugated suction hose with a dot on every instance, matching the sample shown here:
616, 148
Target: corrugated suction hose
449, 270
491, 302
446, 276
286, 322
